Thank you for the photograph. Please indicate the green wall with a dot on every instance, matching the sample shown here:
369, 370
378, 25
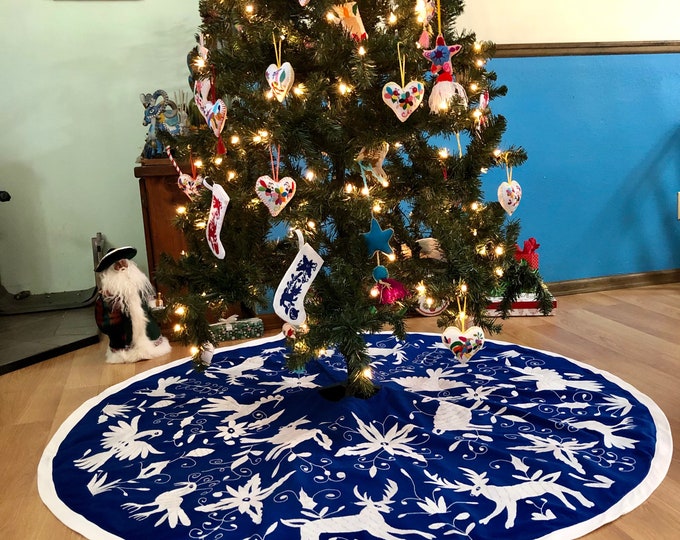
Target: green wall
72, 73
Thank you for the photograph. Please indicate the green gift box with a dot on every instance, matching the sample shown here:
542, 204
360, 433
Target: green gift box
232, 328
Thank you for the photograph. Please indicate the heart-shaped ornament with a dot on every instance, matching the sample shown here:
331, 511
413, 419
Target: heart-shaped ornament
280, 79
275, 194
216, 116
403, 101
509, 195
463, 345
189, 185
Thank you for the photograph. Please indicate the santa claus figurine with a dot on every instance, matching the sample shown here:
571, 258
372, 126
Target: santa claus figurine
123, 311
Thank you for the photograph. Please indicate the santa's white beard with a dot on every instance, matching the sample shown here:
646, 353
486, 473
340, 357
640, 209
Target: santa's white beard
126, 286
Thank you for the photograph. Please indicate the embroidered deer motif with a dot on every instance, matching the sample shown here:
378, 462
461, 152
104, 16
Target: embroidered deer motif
507, 497
370, 519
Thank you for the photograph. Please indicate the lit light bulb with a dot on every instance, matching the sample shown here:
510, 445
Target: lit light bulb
181, 310
181, 210
199, 62
479, 62
477, 46
364, 191
299, 89
263, 133
231, 175
474, 206
463, 288
194, 350
421, 289
257, 139
477, 114
269, 94
249, 9
392, 19
177, 328
384, 182
234, 139
310, 175
343, 88
429, 302
443, 153
330, 17
311, 224
367, 372
474, 87
398, 145
474, 232
218, 160
497, 152
200, 224
499, 250
375, 292
198, 163
391, 257
499, 271
362, 50
443, 106
349, 188
377, 208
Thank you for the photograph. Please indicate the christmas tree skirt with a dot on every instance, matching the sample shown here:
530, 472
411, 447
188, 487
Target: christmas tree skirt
518, 443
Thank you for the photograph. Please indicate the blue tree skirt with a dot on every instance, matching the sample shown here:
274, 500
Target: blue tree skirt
518, 443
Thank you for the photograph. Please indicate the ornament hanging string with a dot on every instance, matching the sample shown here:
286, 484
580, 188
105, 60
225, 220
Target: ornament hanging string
462, 315
277, 49
402, 65
439, 17
275, 168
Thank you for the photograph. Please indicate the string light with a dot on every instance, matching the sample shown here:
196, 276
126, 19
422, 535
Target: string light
181, 210
362, 50
376, 207
200, 224
250, 9
374, 292
367, 372
198, 163
443, 153
477, 46
311, 224
310, 175
497, 153
480, 63
391, 257
384, 182
235, 139
180, 310
429, 302
499, 271
421, 289
343, 88
218, 161
499, 250
177, 328
349, 188
475, 206
299, 89
199, 62
231, 175
364, 191
474, 86
392, 19
330, 17
269, 94
194, 350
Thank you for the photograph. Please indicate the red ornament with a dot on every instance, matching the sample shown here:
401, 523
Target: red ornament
391, 290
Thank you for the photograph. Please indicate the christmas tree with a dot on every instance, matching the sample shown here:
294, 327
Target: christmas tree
338, 155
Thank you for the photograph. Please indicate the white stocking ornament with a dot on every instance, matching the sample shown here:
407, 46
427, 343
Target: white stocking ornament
218, 207
290, 295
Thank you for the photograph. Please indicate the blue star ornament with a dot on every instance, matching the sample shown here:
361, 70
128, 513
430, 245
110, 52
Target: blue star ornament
378, 239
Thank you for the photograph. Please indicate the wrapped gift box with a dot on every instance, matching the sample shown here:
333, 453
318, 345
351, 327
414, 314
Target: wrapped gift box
232, 328
528, 253
526, 305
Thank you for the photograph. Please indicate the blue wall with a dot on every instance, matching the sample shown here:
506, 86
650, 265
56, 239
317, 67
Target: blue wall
603, 138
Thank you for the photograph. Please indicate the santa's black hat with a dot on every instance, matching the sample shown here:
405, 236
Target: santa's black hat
113, 255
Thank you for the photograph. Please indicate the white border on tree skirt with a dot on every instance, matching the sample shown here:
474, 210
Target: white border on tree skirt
658, 468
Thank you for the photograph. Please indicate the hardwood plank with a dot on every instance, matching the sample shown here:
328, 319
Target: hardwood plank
630, 332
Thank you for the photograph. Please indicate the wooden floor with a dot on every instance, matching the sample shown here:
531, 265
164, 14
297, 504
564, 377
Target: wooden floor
632, 333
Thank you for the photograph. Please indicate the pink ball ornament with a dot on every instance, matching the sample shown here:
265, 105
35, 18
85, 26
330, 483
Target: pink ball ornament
391, 291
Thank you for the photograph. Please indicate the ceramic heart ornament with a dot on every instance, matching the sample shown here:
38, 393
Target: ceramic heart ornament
509, 195
403, 101
280, 79
189, 185
275, 194
463, 345
216, 116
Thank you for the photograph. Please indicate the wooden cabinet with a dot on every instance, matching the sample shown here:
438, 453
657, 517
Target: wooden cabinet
160, 198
